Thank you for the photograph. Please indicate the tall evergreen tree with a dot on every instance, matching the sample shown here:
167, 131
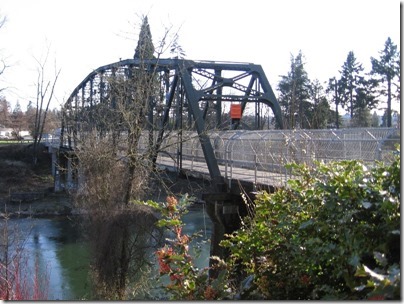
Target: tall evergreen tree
321, 108
294, 97
355, 90
375, 120
365, 100
145, 47
335, 89
388, 68
144, 51
362, 118
17, 120
350, 79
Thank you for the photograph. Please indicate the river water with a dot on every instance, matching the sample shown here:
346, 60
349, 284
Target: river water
58, 249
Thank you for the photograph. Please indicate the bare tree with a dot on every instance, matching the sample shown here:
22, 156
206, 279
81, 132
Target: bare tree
113, 171
44, 95
3, 64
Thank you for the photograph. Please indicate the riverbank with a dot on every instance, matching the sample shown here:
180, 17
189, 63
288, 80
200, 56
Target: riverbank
27, 190
52, 204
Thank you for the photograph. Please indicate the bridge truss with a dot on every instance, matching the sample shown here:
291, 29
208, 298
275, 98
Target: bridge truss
187, 95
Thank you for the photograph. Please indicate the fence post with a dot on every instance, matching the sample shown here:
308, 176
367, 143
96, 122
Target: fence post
255, 168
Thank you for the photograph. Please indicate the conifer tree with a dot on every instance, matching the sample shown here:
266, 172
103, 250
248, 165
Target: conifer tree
145, 47
388, 68
375, 120
334, 88
355, 90
321, 113
295, 94
351, 76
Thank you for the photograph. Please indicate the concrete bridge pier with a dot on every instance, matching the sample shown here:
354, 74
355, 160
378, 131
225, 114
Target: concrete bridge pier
225, 211
64, 171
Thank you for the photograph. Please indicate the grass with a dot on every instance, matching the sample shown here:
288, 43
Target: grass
13, 141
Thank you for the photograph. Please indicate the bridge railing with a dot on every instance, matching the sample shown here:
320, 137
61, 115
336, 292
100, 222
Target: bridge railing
261, 156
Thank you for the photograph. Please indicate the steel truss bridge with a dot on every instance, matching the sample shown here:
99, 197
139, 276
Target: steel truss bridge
189, 129
189, 94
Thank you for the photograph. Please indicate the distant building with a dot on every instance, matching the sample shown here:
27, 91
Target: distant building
23, 133
6, 133
9, 133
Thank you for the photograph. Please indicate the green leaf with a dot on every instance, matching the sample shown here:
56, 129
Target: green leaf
354, 260
360, 288
306, 224
164, 222
373, 274
176, 257
360, 272
380, 258
247, 282
189, 284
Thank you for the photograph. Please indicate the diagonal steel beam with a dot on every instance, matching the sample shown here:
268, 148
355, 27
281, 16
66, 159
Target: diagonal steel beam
193, 97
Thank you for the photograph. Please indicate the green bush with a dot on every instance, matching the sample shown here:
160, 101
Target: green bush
333, 233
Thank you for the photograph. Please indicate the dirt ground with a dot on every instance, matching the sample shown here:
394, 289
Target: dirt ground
17, 174
19, 177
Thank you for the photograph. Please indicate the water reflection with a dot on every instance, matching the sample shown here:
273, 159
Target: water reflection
197, 220
55, 246
58, 248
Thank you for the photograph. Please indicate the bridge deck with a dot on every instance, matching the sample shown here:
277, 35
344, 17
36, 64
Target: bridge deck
259, 157
229, 173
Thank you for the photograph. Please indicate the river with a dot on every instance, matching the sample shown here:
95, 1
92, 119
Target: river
56, 247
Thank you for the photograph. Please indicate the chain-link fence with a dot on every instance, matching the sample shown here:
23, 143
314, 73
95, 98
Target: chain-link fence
260, 156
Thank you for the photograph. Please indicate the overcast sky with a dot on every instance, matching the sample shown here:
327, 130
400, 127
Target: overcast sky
86, 34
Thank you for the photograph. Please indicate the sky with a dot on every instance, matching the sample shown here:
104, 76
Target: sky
82, 35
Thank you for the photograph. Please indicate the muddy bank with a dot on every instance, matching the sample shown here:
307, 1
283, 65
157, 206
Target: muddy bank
27, 190
50, 204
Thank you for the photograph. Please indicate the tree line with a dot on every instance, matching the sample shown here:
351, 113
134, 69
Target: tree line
19, 120
306, 104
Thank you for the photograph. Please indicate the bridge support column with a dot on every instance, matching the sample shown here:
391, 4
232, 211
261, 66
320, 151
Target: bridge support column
53, 153
64, 172
225, 211
59, 164
69, 182
57, 186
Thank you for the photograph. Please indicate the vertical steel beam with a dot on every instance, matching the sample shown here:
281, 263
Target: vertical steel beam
218, 73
